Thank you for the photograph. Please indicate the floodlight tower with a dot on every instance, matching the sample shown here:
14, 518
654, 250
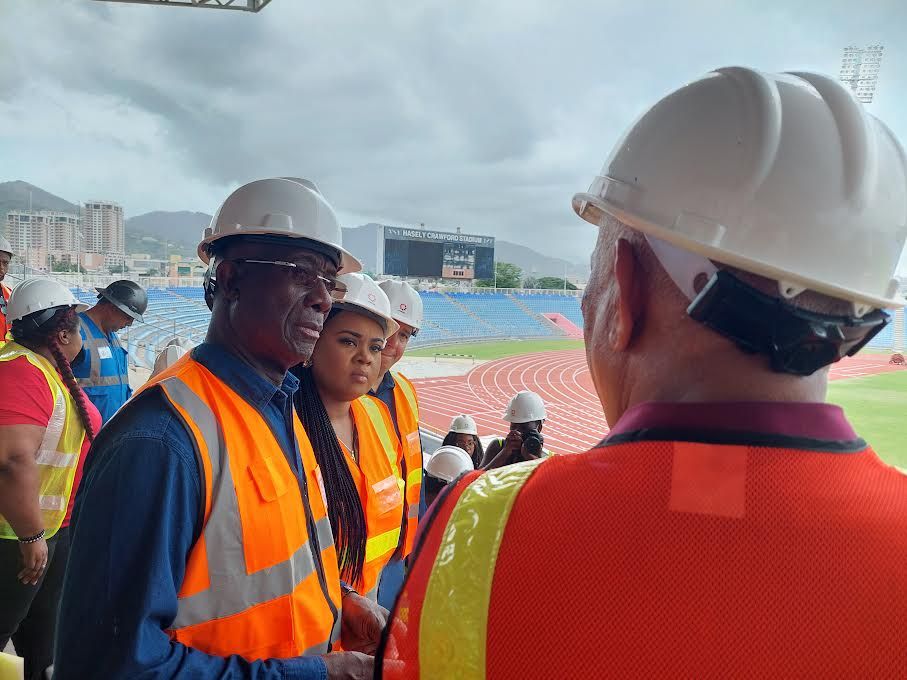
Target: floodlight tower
860, 70
241, 5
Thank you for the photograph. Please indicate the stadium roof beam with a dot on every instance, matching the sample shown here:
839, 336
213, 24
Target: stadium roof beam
241, 5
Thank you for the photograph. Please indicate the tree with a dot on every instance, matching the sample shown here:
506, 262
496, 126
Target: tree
508, 276
551, 283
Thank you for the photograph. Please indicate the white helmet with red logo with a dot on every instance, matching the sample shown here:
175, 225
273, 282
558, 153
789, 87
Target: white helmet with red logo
406, 305
364, 295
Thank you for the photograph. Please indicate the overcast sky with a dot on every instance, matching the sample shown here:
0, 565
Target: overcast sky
481, 114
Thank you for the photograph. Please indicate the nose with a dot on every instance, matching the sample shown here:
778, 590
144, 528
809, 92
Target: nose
319, 297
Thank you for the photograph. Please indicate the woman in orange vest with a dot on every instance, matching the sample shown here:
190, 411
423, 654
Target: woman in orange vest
352, 435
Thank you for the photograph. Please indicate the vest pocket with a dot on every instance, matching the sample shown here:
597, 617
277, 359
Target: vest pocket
386, 495
270, 483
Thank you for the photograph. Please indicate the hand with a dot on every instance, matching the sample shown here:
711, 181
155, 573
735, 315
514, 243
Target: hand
526, 454
349, 666
361, 624
34, 561
509, 452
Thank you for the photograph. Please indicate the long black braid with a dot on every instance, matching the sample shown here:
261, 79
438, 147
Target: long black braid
45, 335
344, 505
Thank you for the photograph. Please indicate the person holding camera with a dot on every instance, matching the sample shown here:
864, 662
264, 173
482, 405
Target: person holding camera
526, 415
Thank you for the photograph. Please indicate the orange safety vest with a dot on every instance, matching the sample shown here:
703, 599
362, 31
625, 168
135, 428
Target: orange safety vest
261, 581
377, 481
5, 325
662, 559
406, 404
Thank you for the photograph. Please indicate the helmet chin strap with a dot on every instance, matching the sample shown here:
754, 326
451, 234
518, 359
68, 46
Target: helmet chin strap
683, 266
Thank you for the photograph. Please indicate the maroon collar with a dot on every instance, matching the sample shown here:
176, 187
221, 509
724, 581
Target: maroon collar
792, 419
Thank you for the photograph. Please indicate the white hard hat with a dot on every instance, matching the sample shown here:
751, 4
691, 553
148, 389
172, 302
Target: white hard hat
362, 293
406, 304
448, 463
6, 246
172, 352
525, 407
463, 425
280, 206
782, 175
37, 295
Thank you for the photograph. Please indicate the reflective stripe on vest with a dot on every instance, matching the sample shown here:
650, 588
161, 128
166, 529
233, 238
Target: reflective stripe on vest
407, 407
473, 534
258, 583
58, 455
379, 488
98, 369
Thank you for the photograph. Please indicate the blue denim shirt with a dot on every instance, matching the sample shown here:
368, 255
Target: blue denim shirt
135, 519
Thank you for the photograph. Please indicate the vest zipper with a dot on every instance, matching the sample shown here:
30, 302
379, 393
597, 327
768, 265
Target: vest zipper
314, 544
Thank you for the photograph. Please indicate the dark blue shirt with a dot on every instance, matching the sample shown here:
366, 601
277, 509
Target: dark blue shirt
136, 517
385, 393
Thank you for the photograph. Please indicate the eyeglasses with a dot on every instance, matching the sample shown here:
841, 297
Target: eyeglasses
304, 276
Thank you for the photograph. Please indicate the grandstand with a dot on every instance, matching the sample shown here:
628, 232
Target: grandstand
449, 317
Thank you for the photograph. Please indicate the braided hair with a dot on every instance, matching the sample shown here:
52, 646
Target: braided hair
344, 505
45, 335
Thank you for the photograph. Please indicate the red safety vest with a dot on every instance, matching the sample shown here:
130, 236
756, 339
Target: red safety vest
262, 580
660, 559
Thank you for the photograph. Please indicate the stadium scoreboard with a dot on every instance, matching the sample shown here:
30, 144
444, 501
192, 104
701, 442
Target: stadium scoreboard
437, 254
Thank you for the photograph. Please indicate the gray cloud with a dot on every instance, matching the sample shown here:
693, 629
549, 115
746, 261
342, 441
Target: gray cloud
486, 116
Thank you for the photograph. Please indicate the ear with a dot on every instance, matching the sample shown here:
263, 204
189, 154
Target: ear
228, 279
64, 337
629, 296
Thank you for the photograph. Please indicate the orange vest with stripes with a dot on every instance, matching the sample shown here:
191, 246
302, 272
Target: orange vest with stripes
662, 559
261, 581
378, 483
406, 404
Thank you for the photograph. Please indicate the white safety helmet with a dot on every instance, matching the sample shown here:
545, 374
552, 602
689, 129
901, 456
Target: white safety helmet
362, 293
406, 304
6, 246
525, 407
781, 175
448, 463
463, 424
281, 206
172, 352
38, 295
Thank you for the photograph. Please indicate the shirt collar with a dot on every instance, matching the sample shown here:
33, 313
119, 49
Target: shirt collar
792, 419
387, 384
242, 378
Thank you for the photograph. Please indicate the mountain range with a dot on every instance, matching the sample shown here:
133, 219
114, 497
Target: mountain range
159, 233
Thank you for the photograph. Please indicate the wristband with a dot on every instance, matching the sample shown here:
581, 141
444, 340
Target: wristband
33, 539
346, 590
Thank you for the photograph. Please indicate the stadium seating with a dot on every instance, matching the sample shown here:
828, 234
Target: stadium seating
449, 317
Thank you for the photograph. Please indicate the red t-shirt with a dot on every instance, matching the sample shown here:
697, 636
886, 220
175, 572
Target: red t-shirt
31, 403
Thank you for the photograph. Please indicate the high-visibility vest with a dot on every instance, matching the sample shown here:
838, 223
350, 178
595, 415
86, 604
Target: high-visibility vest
5, 325
406, 405
261, 581
103, 373
61, 446
377, 480
663, 559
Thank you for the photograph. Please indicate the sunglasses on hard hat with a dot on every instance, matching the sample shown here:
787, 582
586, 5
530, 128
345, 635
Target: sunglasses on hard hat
304, 276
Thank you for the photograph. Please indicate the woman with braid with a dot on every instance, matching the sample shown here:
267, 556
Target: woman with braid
46, 427
352, 434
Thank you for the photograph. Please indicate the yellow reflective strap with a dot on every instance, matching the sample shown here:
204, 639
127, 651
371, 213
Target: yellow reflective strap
414, 477
374, 414
453, 627
380, 545
408, 392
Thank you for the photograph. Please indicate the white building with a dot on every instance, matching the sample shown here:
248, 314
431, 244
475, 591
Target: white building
104, 229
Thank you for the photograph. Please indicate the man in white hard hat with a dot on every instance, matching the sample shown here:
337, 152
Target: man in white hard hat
447, 464
202, 546
731, 523
526, 414
6, 256
398, 394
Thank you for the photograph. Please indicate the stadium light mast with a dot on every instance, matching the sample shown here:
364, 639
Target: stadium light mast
241, 5
860, 70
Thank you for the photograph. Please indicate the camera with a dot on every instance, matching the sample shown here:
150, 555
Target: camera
532, 443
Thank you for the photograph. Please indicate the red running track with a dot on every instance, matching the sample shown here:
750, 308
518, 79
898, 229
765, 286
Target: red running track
575, 419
